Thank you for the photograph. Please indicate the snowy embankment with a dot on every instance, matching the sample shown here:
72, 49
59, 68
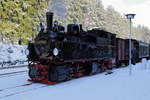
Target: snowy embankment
116, 86
12, 54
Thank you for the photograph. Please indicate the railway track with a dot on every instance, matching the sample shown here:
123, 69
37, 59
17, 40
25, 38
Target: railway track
9, 74
10, 91
17, 89
13, 73
11, 67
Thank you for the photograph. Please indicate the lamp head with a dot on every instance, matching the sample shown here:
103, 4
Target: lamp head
130, 16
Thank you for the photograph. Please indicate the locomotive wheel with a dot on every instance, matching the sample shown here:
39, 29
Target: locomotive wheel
93, 68
59, 74
32, 72
53, 75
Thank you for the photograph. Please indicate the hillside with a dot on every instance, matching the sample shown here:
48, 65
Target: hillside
92, 14
19, 19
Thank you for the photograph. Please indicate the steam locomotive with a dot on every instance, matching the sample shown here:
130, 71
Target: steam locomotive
56, 56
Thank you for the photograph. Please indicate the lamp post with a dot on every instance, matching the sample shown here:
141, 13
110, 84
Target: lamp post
130, 16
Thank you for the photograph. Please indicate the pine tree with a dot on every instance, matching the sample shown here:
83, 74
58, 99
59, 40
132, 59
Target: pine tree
76, 11
19, 18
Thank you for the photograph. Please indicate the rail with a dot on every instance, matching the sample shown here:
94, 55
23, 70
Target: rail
15, 64
10, 74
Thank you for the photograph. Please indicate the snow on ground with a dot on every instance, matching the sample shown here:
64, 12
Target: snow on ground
116, 86
11, 70
12, 52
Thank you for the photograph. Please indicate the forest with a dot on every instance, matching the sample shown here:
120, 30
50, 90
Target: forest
19, 19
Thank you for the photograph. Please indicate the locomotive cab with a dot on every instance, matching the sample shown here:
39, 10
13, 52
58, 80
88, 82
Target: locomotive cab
74, 29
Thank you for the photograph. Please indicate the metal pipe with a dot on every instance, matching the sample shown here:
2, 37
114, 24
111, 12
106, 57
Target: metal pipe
130, 16
130, 48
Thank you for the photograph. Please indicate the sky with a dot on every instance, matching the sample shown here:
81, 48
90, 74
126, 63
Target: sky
139, 7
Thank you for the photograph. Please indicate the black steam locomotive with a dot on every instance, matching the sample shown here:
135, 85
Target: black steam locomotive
56, 55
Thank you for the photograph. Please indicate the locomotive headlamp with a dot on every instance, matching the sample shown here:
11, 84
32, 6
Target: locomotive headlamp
55, 51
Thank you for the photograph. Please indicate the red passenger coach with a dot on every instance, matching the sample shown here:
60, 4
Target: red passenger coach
120, 52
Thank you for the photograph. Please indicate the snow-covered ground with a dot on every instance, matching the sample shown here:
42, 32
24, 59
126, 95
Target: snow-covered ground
116, 86
11, 70
12, 53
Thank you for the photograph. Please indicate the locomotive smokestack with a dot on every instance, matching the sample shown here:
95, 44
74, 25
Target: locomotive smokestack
49, 18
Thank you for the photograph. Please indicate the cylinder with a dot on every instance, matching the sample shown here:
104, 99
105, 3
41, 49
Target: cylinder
49, 18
